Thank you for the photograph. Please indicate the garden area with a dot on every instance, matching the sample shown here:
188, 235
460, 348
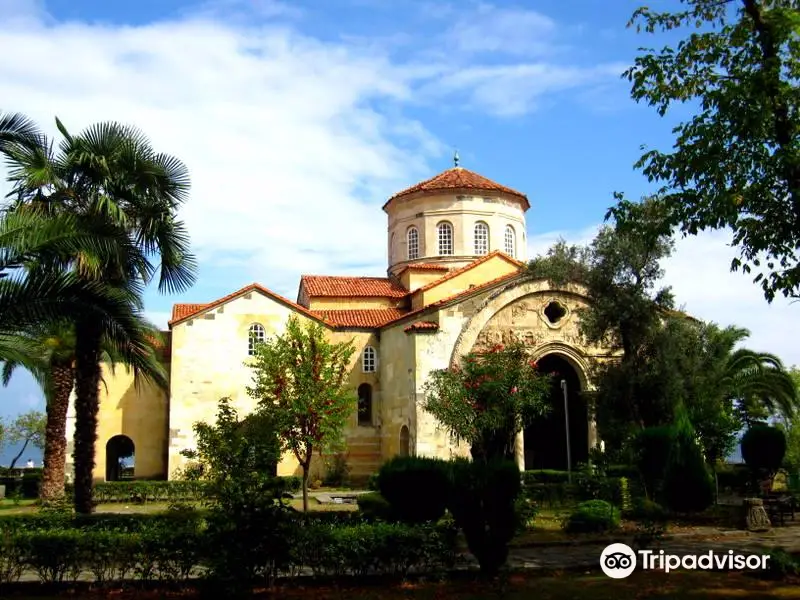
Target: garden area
93, 218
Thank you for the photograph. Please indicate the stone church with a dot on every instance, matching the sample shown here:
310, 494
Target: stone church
455, 282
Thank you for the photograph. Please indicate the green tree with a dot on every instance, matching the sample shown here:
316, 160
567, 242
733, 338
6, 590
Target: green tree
489, 400
300, 383
27, 429
736, 163
111, 179
562, 264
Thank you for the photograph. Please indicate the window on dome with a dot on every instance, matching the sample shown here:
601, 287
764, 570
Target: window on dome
369, 360
445, 236
413, 243
510, 241
256, 335
481, 238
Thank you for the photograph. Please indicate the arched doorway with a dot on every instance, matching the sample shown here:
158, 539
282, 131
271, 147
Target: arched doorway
405, 441
120, 454
546, 438
365, 405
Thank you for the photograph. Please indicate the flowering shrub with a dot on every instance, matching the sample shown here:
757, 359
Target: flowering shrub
487, 400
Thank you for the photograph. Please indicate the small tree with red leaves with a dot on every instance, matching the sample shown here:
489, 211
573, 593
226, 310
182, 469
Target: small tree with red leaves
489, 399
300, 381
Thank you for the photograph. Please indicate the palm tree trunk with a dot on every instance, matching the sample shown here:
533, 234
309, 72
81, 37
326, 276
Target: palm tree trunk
87, 405
55, 440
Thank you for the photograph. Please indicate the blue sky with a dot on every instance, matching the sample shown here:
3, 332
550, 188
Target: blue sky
297, 120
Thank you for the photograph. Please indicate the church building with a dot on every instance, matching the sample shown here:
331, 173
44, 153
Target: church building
456, 281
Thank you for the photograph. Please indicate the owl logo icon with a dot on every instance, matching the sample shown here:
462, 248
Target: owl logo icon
618, 561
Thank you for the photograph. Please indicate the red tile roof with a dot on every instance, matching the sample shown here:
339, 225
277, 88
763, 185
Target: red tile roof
425, 267
422, 326
466, 268
458, 178
346, 287
368, 317
181, 312
455, 297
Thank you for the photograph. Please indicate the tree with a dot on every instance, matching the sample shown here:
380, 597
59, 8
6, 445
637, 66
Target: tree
489, 400
736, 163
562, 264
300, 383
27, 428
52, 364
111, 179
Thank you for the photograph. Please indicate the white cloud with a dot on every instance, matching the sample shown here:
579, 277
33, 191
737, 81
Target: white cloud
493, 29
699, 273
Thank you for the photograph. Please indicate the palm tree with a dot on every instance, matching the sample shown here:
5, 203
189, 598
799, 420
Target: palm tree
53, 366
762, 385
110, 177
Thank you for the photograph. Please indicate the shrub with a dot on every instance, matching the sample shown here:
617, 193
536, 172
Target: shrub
373, 506
653, 446
646, 510
415, 487
593, 516
781, 564
482, 500
763, 448
688, 486
373, 548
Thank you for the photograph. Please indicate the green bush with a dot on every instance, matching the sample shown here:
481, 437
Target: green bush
593, 516
688, 485
415, 487
733, 479
763, 448
646, 510
376, 548
373, 506
483, 498
781, 564
616, 490
653, 446
162, 491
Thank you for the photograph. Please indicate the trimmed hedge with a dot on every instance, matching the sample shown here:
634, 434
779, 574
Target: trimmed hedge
160, 491
160, 550
551, 488
594, 516
415, 487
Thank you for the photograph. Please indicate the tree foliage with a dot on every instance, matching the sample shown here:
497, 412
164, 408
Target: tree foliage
489, 399
300, 380
736, 162
27, 429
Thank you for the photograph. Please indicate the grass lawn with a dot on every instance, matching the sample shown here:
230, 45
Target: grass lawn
676, 585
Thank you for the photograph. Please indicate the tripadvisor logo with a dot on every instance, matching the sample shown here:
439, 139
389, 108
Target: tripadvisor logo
619, 560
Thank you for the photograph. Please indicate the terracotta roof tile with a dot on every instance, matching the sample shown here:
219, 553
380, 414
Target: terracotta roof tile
425, 267
422, 326
466, 268
454, 297
368, 317
344, 287
181, 312
458, 178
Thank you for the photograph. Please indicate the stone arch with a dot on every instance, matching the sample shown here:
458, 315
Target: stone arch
118, 448
516, 290
571, 355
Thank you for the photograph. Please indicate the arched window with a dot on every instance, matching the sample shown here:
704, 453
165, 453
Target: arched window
391, 248
481, 238
510, 241
256, 335
412, 239
369, 360
365, 404
120, 458
445, 235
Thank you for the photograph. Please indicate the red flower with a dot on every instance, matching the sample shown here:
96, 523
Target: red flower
514, 390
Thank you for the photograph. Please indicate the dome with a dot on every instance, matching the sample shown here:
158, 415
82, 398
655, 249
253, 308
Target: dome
458, 179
